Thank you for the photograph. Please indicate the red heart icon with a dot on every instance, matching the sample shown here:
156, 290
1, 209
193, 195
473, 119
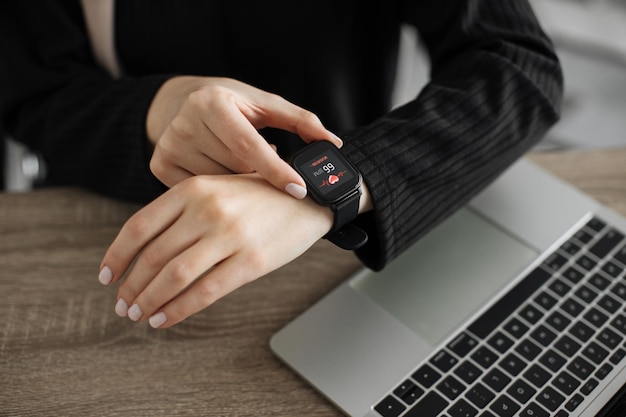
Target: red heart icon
333, 179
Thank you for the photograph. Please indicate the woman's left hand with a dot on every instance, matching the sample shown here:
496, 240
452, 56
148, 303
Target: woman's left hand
202, 239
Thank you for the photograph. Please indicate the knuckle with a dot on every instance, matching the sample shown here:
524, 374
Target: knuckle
180, 128
307, 118
151, 259
137, 226
179, 274
208, 291
192, 186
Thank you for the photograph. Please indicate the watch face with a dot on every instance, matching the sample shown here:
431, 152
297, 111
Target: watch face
326, 171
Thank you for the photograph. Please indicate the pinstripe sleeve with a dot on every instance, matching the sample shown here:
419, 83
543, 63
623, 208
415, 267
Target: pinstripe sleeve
495, 89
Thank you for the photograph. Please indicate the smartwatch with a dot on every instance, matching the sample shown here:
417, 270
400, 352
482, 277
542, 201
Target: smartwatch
332, 181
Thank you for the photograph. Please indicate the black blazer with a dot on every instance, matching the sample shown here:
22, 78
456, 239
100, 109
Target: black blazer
495, 89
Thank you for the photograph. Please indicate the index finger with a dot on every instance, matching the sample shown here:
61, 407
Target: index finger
242, 138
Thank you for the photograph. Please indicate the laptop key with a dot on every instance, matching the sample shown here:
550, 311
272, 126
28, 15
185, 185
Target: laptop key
496, 379
611, 269
528, 350
468, 372
426, 376
504, 406
500, 342
581, 331
589, 386
619, 323
550, 398
603, 371
595, 224
552, 360
512, 364
389, 407
444, 361
462, 409
516, 328
521, 391
545, 301
606, 243
574, 402
408, 392
530, 314
555, 261
429, 406
599, 282
451, 387
595, 353
537, 376
559, 287
581, 368
621, 255
596, 317
609, 338
572, 307
534, 410
609, 303
558, 321
485, 357
566, 383
462, 344
617, 356
586, 263
570, 247
619, 289
567, 346
586, 294
479, 395
543, 335
583, 236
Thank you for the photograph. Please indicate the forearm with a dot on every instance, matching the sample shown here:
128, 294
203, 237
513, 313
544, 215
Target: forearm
494, 92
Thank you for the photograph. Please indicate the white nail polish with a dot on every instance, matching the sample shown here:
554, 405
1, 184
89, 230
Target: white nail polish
105, 276
134, 312
121, 308
296, 190
338, 139
157, 320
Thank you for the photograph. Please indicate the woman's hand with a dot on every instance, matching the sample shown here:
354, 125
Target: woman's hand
208, 125
204, 238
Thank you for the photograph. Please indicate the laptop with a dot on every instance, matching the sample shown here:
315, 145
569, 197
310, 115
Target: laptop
513, 306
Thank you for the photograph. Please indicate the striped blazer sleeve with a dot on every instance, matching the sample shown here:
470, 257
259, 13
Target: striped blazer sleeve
495, 88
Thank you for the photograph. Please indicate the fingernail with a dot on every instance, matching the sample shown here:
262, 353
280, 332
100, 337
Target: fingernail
157, 320
296, 190
134, 312
338, 139
105, 276
121, 308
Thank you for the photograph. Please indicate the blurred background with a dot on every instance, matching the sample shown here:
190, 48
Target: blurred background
590, 37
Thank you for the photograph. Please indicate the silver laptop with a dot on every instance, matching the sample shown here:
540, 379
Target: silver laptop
514, 306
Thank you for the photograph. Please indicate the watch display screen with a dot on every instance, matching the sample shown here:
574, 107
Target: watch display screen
326, 171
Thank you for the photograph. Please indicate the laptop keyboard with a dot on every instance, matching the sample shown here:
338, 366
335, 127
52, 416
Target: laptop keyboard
543, 348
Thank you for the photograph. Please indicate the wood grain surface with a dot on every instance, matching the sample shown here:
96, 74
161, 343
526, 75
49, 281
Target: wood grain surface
64, 352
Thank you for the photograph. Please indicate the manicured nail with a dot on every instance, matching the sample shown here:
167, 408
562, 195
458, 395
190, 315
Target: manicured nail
296, 190
105, 276
121, 308
157, 320
134, 312
338, 139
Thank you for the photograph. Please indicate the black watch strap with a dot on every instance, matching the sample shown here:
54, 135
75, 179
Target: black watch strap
345, 234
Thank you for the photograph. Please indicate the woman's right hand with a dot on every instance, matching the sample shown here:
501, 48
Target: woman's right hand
209, 125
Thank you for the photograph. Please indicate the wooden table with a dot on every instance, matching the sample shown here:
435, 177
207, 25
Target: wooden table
63, 351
